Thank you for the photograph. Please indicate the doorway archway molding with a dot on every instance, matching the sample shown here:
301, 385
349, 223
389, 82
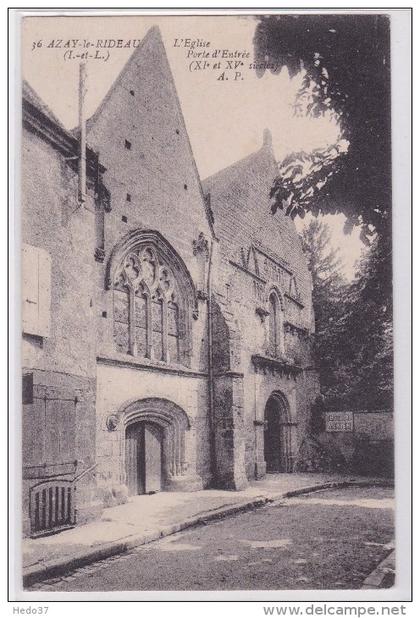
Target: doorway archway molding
175, 424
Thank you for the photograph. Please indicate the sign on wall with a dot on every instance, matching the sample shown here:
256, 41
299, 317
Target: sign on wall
339, 421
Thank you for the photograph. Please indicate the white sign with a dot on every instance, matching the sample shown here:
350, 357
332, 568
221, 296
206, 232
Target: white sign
339, 421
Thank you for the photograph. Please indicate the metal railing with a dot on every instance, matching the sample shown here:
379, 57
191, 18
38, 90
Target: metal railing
52, 506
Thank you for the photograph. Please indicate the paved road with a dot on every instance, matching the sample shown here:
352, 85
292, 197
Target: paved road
329, 539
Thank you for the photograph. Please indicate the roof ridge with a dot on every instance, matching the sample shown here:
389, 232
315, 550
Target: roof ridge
236, 165
31, 95
152, 33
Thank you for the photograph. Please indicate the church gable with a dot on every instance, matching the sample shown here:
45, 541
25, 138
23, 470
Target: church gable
240, 200
265, 246
140, 132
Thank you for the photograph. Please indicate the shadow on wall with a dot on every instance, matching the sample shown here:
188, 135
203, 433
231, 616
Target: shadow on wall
353, 452
363, 456
374, 458
221, 340
313, 456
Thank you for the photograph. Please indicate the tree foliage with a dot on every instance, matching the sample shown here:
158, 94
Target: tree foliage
346, 64
328, 290
353, 323
368, 333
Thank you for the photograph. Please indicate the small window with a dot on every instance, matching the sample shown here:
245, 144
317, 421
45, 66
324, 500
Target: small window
293, 291
128, 197
272, 326
127, 144
132, 93
275, 327
124, 219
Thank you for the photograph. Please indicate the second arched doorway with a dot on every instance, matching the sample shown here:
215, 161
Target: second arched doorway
277, 434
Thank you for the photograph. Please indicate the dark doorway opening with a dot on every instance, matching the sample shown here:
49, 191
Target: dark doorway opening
277, 436
272, 441
143, 458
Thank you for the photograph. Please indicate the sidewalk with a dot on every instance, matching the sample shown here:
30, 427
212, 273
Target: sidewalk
146, 518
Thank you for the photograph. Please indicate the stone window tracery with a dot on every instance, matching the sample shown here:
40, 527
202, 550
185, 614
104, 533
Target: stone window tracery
149, 316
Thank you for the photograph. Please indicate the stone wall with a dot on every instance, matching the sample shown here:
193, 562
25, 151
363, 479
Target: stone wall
61, 364
119, 386
153, 185
367, 449
240, 201
258, 252
152, 190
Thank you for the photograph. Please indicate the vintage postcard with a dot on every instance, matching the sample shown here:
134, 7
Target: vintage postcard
211, 254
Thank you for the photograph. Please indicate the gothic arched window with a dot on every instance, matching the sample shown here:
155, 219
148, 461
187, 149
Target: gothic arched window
275, 326
152, 304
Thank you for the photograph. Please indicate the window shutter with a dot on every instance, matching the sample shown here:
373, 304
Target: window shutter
36, 291
44, 292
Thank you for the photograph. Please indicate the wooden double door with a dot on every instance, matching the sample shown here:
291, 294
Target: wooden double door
143, 458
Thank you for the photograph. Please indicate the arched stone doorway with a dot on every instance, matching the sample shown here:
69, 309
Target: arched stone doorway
154, 454
278, 434
143, 458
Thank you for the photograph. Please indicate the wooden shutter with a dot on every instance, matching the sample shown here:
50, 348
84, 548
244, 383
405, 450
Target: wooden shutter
36, 291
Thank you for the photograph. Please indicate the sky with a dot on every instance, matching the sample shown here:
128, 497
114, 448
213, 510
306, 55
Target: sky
225, 118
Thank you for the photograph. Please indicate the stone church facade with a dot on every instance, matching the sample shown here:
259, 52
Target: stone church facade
166, 321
